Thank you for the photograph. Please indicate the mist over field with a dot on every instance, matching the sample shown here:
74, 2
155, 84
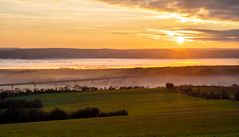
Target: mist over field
148, 77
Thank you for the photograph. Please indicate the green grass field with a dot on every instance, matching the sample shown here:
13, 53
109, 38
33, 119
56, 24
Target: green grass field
152, 113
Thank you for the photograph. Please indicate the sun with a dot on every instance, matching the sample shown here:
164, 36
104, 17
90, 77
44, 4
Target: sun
180, 40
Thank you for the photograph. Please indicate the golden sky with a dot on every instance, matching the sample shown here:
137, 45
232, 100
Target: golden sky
127, 24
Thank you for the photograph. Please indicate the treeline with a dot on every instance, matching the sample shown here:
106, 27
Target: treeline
215, 93
76, 88
27, 112
207, 92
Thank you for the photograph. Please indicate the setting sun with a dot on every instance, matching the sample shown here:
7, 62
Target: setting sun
180, 40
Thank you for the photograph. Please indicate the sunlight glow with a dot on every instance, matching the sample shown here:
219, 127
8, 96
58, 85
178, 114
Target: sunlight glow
180, 40
98, 24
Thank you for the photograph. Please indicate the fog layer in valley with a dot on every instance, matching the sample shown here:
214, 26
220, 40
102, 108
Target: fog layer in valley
151, 77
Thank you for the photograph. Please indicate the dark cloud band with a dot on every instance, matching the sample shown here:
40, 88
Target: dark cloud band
221, 9
215, 35
200, 34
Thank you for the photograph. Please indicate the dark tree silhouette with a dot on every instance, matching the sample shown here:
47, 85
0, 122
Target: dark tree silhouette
170, 86
57, 114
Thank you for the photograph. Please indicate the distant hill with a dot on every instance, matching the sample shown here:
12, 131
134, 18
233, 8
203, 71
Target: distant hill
114, 53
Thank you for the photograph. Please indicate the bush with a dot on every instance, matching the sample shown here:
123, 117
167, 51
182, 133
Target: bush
36, 115
86, 113
116, 113
224, 95
57, 114
21, 115
170, 86
13, 116
12, 113
218, 93
119, 113
236, 95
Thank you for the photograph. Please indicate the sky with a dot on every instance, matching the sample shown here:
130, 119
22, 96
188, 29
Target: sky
119, 24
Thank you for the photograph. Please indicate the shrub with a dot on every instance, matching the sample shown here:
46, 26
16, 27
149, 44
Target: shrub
120, 112
16, 111
36, 115
13, 116
86, 113
116, 113
170, 86
57, 114
224, 95
236, 95
213, 94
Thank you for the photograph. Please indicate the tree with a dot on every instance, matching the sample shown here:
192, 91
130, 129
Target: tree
170, 85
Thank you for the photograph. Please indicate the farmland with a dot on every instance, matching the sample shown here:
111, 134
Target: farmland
152, 112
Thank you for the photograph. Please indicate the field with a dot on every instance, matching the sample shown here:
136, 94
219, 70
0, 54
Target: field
152, 113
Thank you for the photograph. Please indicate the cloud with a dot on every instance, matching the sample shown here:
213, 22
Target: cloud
195, 34
215, 35
221, 9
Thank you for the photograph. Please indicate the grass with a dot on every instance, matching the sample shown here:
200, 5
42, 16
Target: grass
152, 113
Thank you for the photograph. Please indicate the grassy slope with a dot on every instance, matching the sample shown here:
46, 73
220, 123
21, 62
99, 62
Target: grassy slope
151, 113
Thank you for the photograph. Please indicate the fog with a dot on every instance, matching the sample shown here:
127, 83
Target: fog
224, 76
